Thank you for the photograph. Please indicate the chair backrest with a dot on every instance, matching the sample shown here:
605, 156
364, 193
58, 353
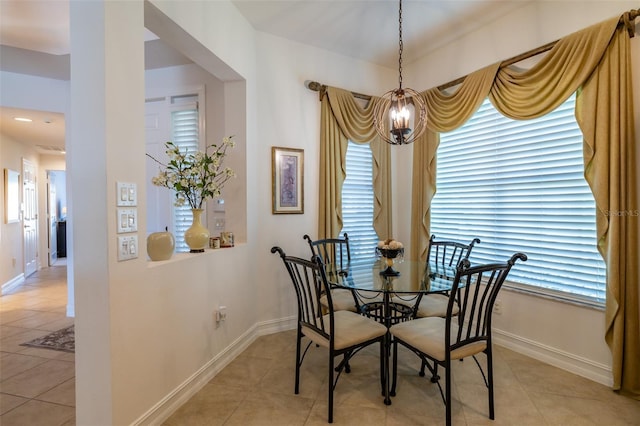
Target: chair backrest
332, 251
310, 283
474, 292
448, 254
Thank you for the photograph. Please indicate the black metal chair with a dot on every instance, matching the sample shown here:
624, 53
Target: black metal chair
437, 341
341, 332
335, 254
442, 259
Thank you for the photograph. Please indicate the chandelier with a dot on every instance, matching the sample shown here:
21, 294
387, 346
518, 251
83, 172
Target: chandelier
400, 116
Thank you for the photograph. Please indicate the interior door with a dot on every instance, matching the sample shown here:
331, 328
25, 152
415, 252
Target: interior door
30, 217
52, 218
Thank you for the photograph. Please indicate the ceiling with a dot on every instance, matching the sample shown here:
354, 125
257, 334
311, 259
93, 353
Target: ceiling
34, 38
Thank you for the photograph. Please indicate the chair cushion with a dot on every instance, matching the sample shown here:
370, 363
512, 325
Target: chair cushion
431, 305
435, 305
342, 300
427, 335
350, 329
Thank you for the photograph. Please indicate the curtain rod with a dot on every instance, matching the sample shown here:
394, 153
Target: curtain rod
626, 19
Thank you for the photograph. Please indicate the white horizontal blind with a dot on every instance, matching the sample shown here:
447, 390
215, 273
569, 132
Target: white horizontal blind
519, 187
184, 131
357, 202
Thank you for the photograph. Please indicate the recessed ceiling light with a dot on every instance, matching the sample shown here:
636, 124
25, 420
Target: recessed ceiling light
28, 120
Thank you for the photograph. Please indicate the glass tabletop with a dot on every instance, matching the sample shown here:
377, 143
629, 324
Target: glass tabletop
413, 277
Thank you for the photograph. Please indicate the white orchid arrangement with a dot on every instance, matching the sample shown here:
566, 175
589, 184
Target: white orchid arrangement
195, 177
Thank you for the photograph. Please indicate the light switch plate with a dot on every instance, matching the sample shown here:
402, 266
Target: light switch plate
127, 247
127, 220
126, 194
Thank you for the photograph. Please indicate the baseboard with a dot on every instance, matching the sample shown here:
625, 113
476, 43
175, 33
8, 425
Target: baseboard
12, 283
586, 368
174, 400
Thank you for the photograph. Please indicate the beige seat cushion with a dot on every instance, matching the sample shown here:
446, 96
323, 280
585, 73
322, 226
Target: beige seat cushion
431, 305
350, 329
342, 300
435, 305
427, 335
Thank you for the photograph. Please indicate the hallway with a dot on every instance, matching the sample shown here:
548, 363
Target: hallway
37, 386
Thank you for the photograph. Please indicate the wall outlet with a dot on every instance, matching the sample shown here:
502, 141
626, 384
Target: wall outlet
497, 307
221, 314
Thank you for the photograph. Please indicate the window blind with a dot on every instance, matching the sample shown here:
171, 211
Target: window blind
357, 202
184, 133
519, 186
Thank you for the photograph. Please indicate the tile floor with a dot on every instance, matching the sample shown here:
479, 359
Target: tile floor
37, 385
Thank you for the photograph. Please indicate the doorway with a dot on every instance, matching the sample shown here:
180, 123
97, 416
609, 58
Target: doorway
56, 215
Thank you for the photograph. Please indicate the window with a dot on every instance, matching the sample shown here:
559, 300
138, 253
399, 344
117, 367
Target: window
519, 186
357, 202
184, 132
178, 119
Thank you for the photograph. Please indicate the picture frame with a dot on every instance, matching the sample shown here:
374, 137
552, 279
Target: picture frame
287, 165
11, 196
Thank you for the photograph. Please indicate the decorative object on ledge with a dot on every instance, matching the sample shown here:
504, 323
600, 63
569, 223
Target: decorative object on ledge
197, 235
287, 165
226, 239
160, 245
214, 242
391, 251
195, 177
401, 110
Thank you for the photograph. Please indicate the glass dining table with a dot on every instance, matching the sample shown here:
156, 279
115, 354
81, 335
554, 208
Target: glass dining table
374, 289
391, 297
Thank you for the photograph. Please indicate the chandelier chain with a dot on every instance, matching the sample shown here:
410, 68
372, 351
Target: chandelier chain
400, 46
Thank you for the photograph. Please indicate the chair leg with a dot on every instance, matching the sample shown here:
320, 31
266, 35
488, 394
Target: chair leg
422, 368
447, 374
382, 375
298, 348
331, 387
395, 369
385, 347
490, 382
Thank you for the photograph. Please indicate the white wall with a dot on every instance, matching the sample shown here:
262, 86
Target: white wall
12, 153
146, 329
565, 335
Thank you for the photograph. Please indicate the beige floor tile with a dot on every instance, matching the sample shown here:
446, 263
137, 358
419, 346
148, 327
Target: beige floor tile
38, 413
575, 410
346, 415
39, 379
12, 364
266, 409
15, 314
38, 320
9, 402
212, 405
63, 322
12, 343
63, 394
245, 372
6, 331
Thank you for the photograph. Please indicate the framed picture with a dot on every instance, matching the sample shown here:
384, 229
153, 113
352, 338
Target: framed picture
287, 180
11, 196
